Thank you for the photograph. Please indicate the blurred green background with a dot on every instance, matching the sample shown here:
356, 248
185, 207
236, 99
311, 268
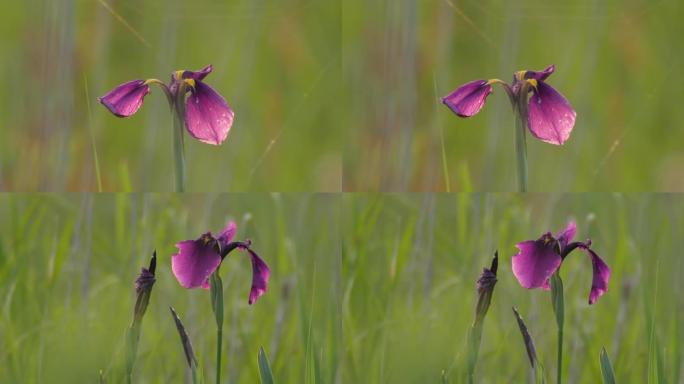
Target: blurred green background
617, 62
276, 63
68, 265
410, 263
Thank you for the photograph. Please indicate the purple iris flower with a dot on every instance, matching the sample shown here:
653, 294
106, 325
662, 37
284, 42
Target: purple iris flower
207, 115
549, 116
541, 258
197, 259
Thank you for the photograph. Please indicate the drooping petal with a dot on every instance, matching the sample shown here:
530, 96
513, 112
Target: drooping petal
536, 262
540, 75
126, 99
198, 75
207, 115
195, 261
601, 275
550, 117
565, 236
469, 98
260, 276
227, 234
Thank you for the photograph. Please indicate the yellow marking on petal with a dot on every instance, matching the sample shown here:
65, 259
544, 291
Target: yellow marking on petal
532, 82
190, 82
178, 75
520, 75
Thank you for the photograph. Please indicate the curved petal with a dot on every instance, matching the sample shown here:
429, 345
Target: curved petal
126, 99
227, 234
469, 98
540, 75
536, 262
260, 276
207, 115
565, 236
195, 261
198, 75
601, 275
550, 117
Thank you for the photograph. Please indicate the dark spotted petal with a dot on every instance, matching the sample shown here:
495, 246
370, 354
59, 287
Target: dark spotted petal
207, 115
550, 117
126, 99
469, 98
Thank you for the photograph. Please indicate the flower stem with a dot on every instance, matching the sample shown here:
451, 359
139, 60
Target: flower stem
216, 291
559, 311
521, 151
178, 150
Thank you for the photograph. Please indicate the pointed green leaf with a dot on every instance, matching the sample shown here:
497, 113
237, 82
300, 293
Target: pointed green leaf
606, 368
265, 373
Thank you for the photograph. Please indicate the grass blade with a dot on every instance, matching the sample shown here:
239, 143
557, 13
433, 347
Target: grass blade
606, 368
265, 373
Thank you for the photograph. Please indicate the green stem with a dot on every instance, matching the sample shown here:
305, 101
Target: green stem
559, 311
178, 151
521, 150
219, 338
216, 291
560, 356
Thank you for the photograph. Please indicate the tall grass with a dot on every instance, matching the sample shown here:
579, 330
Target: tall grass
390, 321
277, 65
52, 330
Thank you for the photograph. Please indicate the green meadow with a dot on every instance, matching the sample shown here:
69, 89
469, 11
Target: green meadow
617, 62
364, 288
410, 263
67, 270
276, 63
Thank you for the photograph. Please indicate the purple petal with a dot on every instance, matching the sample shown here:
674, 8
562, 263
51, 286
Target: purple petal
260, 276
126, 99
540, 76
469, 98
536, 262
227, 234
207, 115
565, 236
549, 115
198, 75
601, 275
195, 261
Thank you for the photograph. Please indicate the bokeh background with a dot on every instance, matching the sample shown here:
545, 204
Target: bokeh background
617, 62
410, 263
276, 63
68, 265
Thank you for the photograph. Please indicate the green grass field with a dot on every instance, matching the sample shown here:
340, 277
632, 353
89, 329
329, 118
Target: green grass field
364, 288
276, 63
616, 63
411, 262
68, 263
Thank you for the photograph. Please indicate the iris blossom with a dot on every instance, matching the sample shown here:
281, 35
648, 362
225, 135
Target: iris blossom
206, 114
549, 116
197, 259
541, 258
